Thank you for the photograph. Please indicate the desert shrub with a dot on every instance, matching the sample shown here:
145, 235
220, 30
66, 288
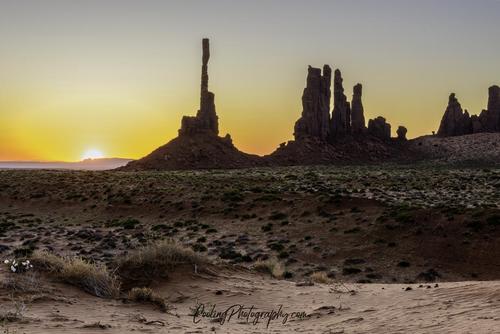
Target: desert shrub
199, 247
156, 260
283, 255
320, 277
266, 228
130, 223
278, 216
403, 264
350, 271
232, 196
26, 283
91, 277
146, 295
272, 266
352, 230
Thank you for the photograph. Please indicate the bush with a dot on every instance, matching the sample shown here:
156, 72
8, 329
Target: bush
154, 261
320, 277
272, 266
91, 277
146, 295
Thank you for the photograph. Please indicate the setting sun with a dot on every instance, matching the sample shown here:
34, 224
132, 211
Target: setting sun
92, 154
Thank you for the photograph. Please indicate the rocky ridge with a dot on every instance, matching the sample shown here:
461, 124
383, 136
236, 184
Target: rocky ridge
456, 122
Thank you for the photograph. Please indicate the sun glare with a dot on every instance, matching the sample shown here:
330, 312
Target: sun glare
92, 154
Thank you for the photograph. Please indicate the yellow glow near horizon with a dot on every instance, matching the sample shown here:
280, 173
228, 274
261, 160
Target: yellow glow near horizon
92, 154
119, 75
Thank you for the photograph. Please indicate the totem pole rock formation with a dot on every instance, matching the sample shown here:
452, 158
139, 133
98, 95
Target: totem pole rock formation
315, 119
455, 122
198, 145
341, 116
206, 119
357, 112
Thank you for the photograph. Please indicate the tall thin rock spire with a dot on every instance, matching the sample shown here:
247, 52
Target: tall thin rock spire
206, 119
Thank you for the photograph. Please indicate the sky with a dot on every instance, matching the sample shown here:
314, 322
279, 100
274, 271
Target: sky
115, 77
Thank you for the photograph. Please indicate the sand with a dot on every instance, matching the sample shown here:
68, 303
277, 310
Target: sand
462, 307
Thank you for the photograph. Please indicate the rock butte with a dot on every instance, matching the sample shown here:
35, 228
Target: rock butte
456, 122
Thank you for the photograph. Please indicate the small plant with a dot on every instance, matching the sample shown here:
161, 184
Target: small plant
146, 295
320, 277
266, 228
272, 266
20, 266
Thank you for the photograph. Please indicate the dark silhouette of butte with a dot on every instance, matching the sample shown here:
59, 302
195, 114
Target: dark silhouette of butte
320, 136
341, 136
456, 122
198, 145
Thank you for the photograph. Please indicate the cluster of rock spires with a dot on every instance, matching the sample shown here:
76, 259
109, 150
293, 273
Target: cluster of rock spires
347, 120
456, 122
321, 136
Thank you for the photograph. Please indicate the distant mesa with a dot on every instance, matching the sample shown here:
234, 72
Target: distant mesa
87, 164
456, 122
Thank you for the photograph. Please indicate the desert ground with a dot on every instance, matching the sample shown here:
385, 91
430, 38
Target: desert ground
349, 249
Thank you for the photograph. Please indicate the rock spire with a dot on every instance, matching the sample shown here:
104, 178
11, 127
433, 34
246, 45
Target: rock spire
206, 119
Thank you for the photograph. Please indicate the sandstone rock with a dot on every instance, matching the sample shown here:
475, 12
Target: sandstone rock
401, 133
315, 118
341, 117
206, 120
457, 123
454, 122
357, 112
379, 128
490, 118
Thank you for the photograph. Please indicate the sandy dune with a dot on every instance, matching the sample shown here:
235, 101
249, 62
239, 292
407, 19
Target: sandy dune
465, 307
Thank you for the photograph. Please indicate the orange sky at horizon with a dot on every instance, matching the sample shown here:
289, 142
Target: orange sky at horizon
117, 77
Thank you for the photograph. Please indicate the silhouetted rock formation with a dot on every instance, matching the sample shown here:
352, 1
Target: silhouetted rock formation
198, 145
321, 137
206, 119
455, 122
490, 118
379, 128
346, 139
401, 132
345, 123
315, 119
357, 112
341, 116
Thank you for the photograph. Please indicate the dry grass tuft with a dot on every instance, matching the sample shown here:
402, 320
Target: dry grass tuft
146, 295
28, 282
272, 266
320, 277
154, 261
91, 277
17, 315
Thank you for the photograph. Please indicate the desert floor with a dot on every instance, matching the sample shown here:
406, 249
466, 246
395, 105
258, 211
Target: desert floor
397, 249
